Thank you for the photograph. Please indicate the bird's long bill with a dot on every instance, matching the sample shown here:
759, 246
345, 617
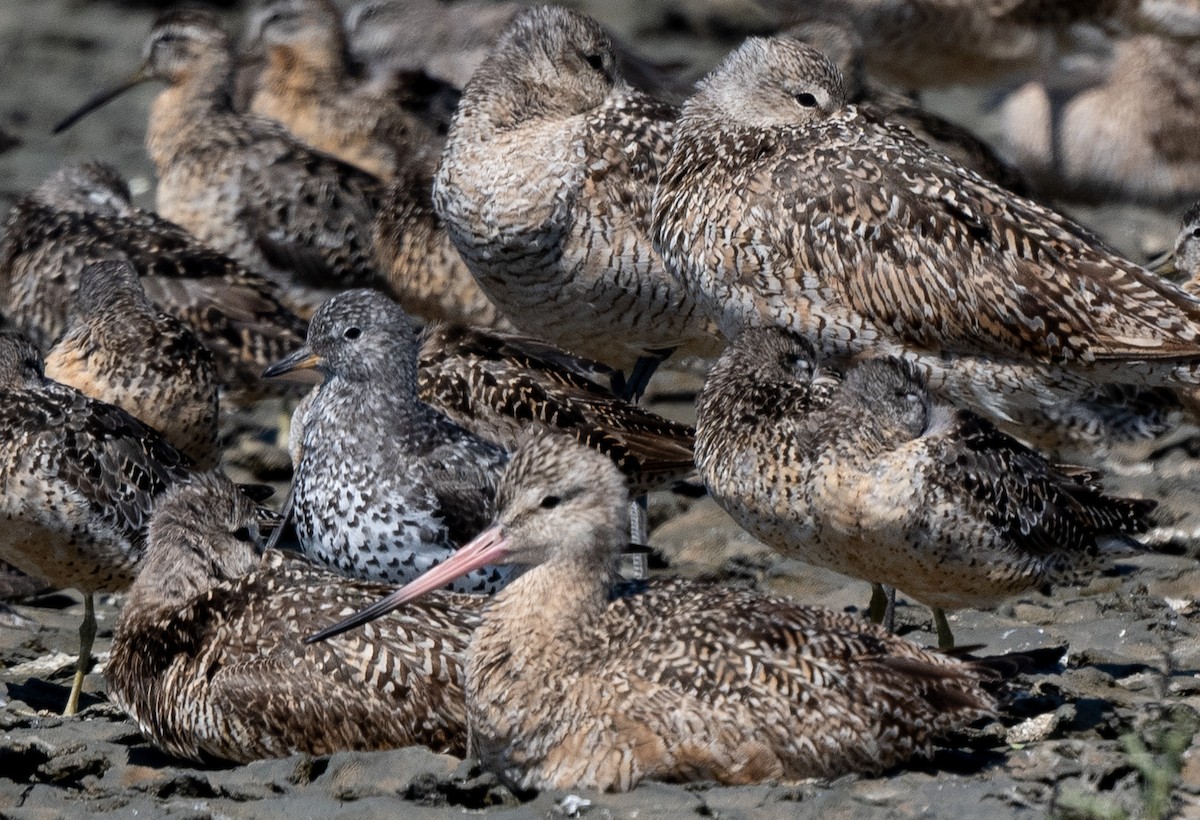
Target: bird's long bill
302, 359
137, 78
489, 547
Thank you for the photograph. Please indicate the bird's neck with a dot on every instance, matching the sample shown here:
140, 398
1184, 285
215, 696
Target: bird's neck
293, 71
190, 102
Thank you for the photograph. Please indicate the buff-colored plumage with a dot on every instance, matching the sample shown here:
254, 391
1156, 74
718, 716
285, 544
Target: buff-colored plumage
242, 184
675, 680
306, 86
545, 189
872, 478
84, 213
783, 205
1127, 135
208, 655
120, 349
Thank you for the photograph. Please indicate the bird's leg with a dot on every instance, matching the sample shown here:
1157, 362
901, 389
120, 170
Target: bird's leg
882, 609
643, 369
637, 535
87, 635
944, 635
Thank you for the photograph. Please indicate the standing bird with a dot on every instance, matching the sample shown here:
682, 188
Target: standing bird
242, 183
83, 213
120, 349
871, 478
208, 654
78, 478
306, 86
782, 205
386, 486
678, 681
545, 188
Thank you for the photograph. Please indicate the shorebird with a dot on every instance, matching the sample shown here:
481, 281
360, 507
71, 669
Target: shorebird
870, 477
424, 271
845, 49
782, 205
78, 478
549, 202
386, 486
208, 654
306, 85
241, 183
676, 681
1125, 135
1182, 264
120, 349
84, 213
935, 43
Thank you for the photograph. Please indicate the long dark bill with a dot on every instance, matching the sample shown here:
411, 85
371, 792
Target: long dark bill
100, 99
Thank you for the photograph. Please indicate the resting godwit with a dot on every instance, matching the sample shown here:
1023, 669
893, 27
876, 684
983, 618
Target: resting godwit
871, 478
680, 680
782, 205
208, 654
549, 202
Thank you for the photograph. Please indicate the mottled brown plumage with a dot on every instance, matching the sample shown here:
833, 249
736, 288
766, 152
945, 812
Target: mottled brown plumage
783, 205
78, 478
306, 85
871, 478
242, 183
678, 680
120, 349
545, 188
424, 271
208, 654
501, 387
83, 213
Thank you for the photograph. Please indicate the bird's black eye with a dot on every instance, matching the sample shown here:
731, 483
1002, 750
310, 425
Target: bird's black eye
596, 61
243, 534
798, 364
1195, 233
806, 99
352, 333
550, 502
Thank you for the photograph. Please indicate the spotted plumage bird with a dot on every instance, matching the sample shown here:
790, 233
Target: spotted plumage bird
306, 85
83, 213
549, 203
241, 183
78, 478
782, 205
120, 349
676, 680
872, 478
208, 655
386, 486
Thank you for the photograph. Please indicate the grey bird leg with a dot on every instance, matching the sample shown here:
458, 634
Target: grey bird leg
284, 514
637, 535
87, 635
643, 369
944, 635
882, 609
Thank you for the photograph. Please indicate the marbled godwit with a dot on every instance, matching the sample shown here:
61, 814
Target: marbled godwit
1127, 135
681, 681
306, 86
119, 349
549, 203
208, 654
83, 213
386, 485
870, 478
241, 183
77, 480
784, 206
